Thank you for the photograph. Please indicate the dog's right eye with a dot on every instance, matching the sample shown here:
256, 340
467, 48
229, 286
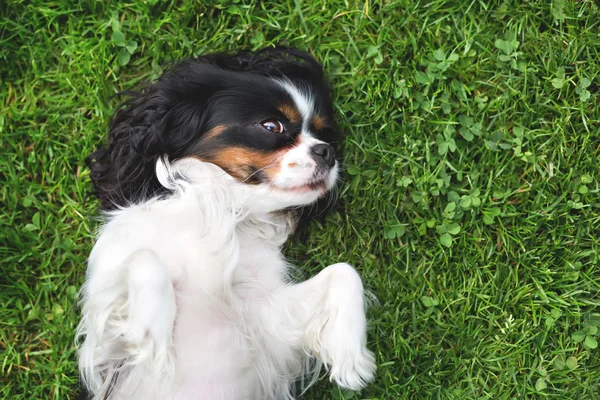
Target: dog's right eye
273, 126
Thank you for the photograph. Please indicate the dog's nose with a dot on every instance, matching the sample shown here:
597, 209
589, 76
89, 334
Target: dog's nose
324, 154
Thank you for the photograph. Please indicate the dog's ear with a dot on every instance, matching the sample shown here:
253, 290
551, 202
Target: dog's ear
164, 118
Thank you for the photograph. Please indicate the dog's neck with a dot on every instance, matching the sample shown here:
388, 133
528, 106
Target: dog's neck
273, 228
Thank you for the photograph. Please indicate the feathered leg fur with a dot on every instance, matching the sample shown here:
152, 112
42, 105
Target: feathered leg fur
131, 322
329, 319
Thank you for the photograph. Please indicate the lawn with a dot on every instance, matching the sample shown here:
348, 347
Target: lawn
471, 201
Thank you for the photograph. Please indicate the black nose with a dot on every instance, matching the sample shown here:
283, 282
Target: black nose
324, 154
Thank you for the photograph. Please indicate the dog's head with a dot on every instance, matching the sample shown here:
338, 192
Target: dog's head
264, 117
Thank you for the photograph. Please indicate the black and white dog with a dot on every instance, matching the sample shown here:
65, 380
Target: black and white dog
187, 294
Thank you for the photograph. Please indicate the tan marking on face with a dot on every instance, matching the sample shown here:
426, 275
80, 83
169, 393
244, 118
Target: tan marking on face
214, 132
290, 112
318, 122
242, 163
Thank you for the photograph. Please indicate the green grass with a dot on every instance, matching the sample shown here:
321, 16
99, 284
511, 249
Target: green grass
471, 201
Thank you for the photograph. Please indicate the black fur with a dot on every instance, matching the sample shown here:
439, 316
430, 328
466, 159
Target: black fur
171, 115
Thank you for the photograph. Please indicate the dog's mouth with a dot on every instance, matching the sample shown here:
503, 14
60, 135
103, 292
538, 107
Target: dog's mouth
314, 185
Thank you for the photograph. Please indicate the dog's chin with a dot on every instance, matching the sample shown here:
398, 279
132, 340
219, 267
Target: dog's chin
311, 190
268, 197
316, 186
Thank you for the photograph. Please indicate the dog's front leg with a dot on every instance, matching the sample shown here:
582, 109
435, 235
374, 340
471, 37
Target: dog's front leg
328, 314
128, 319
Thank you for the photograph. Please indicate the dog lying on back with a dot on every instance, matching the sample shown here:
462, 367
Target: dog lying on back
187, 293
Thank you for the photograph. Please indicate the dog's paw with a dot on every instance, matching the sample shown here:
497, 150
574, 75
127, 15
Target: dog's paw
351, 364
135, 335
154, 330
354, 371
151, 301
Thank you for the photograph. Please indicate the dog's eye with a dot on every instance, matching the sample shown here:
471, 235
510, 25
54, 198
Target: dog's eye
273, 126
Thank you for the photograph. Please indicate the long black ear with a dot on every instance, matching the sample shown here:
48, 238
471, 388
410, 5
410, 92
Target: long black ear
122, 171
164, 118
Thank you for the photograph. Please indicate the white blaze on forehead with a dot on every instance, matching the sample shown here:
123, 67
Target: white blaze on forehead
304, 102
298, 168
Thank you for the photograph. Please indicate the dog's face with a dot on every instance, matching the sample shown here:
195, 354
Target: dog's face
273, 133
265, 118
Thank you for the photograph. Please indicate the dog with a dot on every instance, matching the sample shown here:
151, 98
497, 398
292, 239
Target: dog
203, 179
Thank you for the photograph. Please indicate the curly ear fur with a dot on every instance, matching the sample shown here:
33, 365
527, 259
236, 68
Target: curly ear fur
148, 125
157, 121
